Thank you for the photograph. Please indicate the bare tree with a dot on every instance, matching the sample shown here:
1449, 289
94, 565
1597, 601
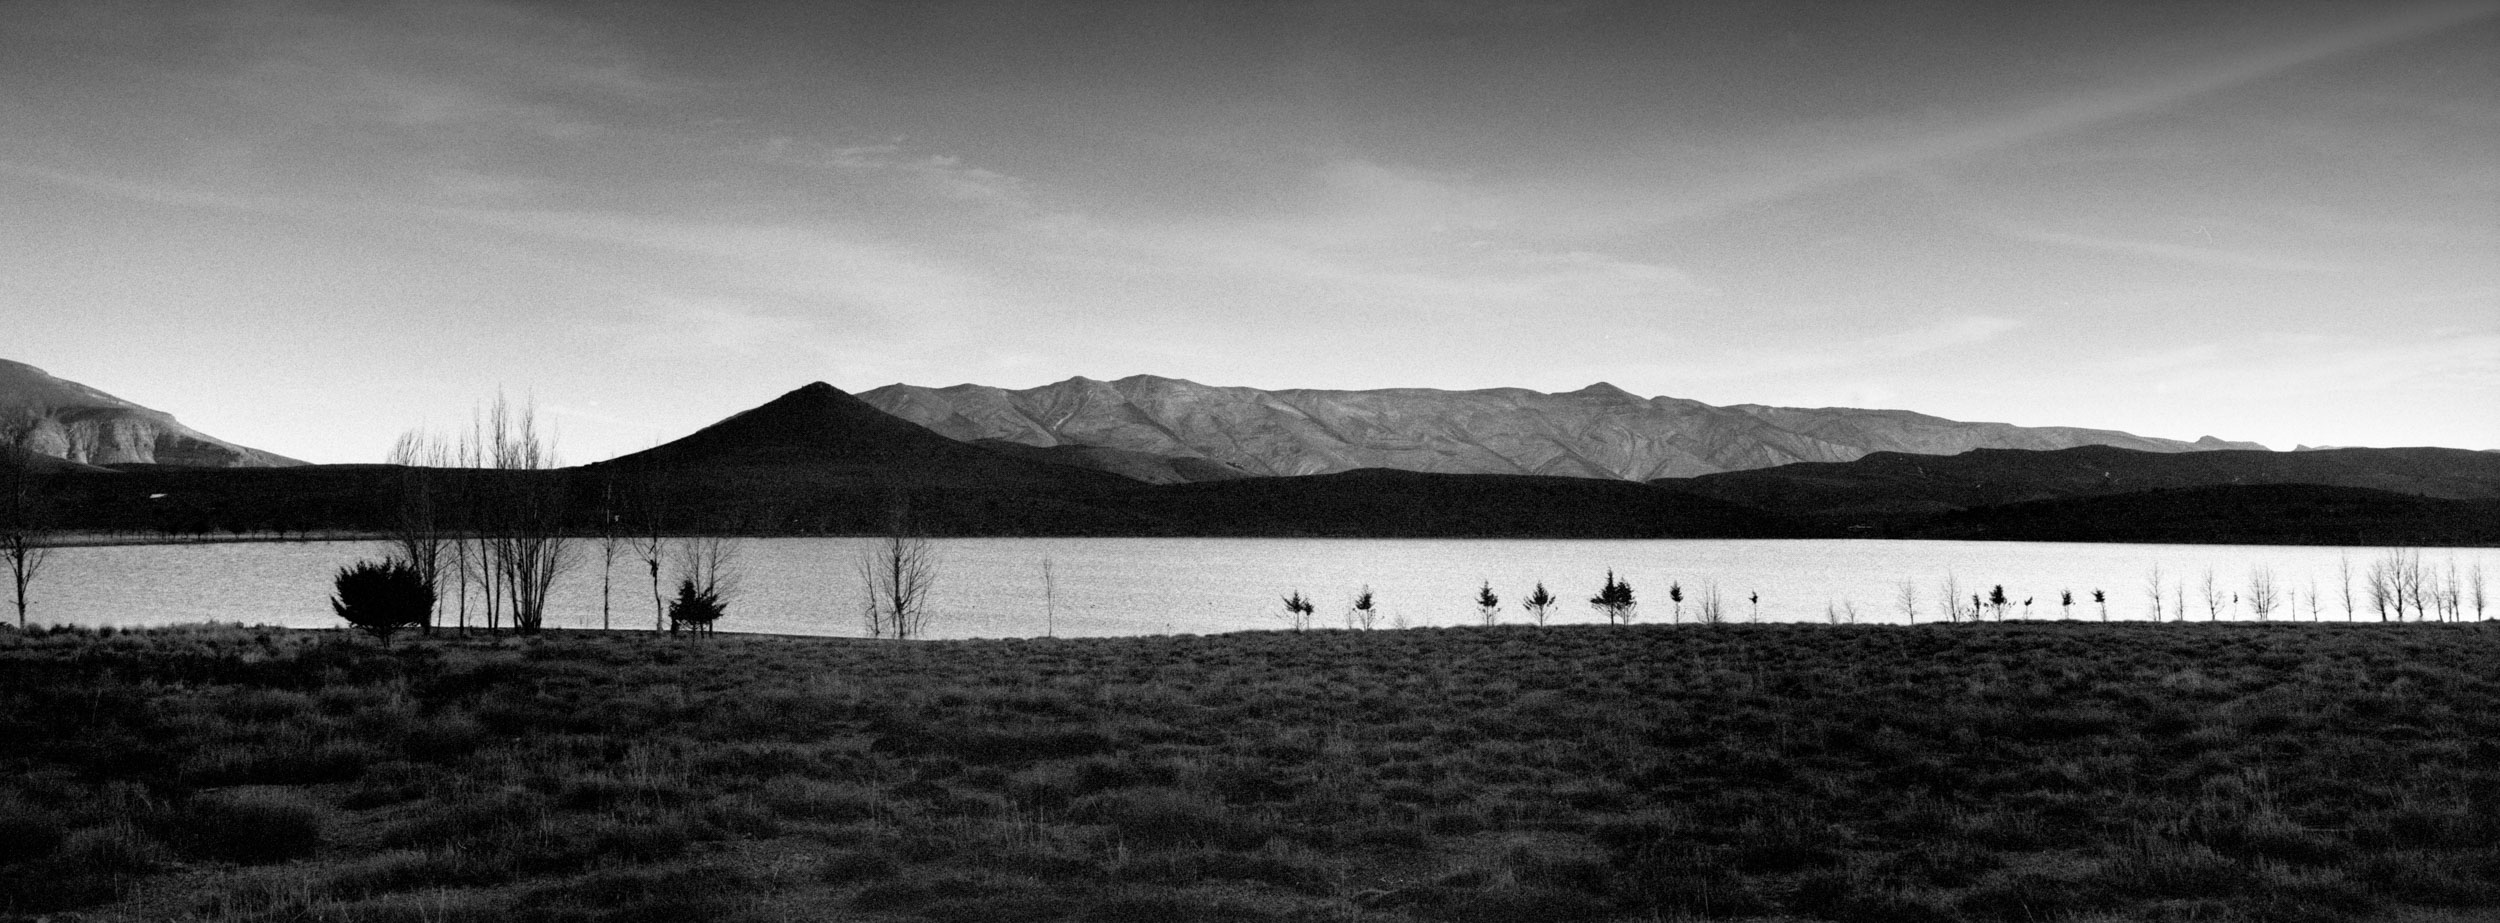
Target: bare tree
650, 545
26, 534
1906, 599
2213, 597
1713, 611
1538, 602
2316, 605
2452, 591
419, 537
1050, 601
524, 524
612, 540
899, 570
2344, 569
2474, 587
2263, 596
2402, 580
2152, 584
1488, 605
2380, 585
1952, 597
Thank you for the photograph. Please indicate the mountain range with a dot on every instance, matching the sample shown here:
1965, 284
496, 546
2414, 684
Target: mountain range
817, 460
49, 416
1201, 432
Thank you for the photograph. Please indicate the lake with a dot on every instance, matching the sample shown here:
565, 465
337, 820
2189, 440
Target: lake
1138, 586
994, 587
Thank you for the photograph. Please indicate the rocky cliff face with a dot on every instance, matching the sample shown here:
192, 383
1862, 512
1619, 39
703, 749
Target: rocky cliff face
1597, 432
67, 420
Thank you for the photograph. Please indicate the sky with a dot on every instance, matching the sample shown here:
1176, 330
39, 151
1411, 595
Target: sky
308, 227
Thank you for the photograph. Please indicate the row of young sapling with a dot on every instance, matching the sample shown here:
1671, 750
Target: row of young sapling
1614, 601
2398, 582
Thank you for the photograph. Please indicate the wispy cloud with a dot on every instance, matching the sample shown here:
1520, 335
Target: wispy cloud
945, 175
1891, 150
733, 280
155, 193
1879, 351
2169, 251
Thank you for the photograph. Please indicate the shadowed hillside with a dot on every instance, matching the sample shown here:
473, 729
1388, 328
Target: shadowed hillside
1892, 483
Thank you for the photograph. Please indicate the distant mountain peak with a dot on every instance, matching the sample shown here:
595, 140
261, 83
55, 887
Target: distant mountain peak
821, 427
1605, 389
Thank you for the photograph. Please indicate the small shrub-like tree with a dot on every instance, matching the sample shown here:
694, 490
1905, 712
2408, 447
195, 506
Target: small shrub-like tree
1615, 600
1538, 602
1675, 594
2066, 601
1298, 611
1363, 614
695, 607
710, 562
1997, 600
382, 597
2101, 599
1488, 606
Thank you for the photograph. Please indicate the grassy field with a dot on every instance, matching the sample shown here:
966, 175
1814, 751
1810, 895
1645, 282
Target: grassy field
2045, 771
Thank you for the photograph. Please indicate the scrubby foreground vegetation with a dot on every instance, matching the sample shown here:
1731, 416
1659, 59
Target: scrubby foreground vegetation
1971, 772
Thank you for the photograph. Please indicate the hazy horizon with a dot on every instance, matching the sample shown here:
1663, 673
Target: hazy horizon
306, 227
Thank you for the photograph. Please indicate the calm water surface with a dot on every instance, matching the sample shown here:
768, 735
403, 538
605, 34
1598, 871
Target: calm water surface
994, 587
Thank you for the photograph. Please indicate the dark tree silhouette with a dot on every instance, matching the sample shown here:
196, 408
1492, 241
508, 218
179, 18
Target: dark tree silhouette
1298, 611
1615, 600
1675, 594
1362, 615
1488, 605
382, 597
1539, 601
695, 607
